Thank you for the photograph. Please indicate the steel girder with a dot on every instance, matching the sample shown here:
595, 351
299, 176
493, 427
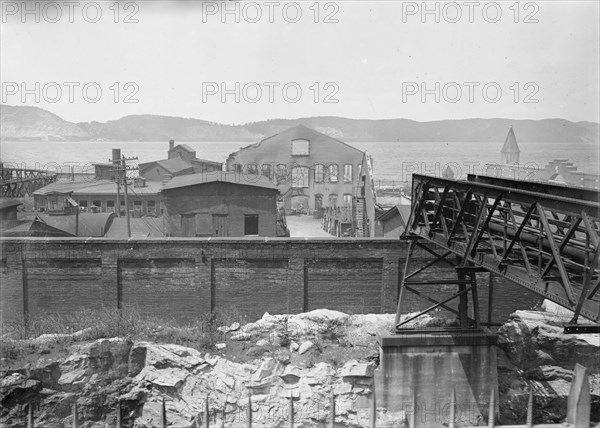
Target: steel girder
545, 238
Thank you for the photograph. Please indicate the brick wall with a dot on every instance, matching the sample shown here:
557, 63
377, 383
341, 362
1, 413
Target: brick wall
182, 278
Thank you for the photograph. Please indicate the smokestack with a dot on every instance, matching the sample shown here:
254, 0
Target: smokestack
171, 144
116, 155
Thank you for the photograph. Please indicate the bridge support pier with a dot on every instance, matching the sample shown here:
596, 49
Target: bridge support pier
426, 373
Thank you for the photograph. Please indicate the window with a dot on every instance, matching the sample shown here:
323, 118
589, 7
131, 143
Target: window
333, 173
151, 207
333, 200
137, 206
347, 173
83, 205
97, 204
300, 176
347, 199
267, 171
319, 173
251, 224
300, 147
110, 206
188, 225
251, 169
281, 173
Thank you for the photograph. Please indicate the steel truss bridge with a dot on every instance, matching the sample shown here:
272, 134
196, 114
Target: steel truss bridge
18, 183
543, 237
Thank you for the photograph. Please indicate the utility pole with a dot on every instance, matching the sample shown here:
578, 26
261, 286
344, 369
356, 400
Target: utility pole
125, 184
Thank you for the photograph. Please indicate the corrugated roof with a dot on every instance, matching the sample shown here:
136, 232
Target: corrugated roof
90, 224
95, 187
225, 177
510, 144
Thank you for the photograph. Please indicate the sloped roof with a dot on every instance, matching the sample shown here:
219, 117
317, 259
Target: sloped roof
510, 144
140, 227
31, 227
173, 165
94, 187
298, 132
402, 210
90, 224
224, 177
9, 203
185, 147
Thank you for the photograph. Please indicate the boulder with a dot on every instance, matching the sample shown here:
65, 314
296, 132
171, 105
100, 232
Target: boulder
305, 347
355, 369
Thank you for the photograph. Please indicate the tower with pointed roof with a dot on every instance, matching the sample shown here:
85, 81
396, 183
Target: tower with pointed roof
510, 151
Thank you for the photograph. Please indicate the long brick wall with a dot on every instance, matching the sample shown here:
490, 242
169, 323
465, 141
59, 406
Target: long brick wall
183, 278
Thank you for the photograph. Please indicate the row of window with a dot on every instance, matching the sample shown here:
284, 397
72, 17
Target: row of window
299, 174
333, 200
109, 206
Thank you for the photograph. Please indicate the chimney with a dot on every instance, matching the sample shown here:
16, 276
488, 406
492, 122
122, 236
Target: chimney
116, 155
171, 144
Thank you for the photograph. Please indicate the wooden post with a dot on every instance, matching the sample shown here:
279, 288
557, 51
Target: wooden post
163, 413
30, 423
373, 409
332, 411
291, 411
579, 403
413, 417
249, 408
492, 408
206, 421
452, 409
119, 422
529, 422
74, 421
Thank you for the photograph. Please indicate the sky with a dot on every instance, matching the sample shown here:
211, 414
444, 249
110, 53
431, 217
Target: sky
267, 60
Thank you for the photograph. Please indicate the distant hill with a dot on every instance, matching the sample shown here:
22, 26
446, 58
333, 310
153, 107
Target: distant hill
35, 123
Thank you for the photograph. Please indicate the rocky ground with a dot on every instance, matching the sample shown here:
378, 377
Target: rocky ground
304, 358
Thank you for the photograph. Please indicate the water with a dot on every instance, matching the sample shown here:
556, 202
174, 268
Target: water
392, 161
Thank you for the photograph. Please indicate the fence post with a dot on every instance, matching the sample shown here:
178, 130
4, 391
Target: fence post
163, 413
119, 424
74, 421
452, 408
206, 421
332, 412
492, 408
413, 417
373, 409
291, 411
579, 403
529, 422
249, 408
30, 423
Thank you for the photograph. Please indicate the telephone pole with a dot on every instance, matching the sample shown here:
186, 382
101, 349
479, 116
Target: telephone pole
121, 169
125, 184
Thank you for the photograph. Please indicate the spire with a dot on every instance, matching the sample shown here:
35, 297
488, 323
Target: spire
510, 151
510, 144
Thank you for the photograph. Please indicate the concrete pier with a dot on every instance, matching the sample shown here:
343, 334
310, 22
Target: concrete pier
424, 373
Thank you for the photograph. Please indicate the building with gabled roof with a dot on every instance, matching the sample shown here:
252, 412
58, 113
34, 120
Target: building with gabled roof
222, 204
181, 160
510, 150
312, 170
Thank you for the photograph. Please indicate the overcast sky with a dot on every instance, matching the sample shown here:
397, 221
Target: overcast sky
375, 60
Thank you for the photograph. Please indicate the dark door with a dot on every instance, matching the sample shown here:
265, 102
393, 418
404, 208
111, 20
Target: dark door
220, 225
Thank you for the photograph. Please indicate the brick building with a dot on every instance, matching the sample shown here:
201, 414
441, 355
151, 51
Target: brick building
312, 170
221, 204
181, 160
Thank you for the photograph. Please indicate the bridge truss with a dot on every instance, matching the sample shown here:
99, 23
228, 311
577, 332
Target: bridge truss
18, 183
545, 238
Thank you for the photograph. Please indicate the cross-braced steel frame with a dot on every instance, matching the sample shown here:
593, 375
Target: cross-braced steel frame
545, 238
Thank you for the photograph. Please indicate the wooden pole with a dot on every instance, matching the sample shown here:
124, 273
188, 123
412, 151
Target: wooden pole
30, 423
452, 409
126, 198
579, 401
206, 421
163, 413
332, 411
74, 421
492, 408
249, 413
373, 409
291, 412
529, 422
119, 422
